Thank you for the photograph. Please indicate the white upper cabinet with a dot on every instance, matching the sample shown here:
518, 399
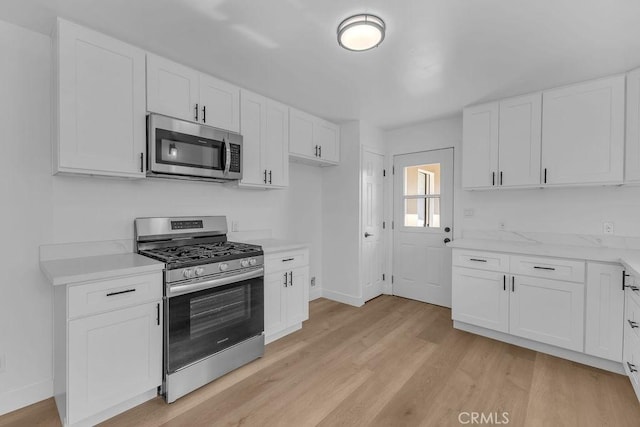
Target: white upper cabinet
100, 104
519, 141
265, 131
480, 146
312, 139
172, 89
583, 133
181, 92
632, 155
219, 103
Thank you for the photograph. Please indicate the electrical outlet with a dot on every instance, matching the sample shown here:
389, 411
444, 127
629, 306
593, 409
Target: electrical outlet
313, 281
607, 228
235, 225
3, 363
468, 212
502, 225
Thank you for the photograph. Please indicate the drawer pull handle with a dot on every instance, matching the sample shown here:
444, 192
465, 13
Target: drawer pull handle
477, 260
544, 268
633, 324
110, 294
288, 259
634, 288
632, 367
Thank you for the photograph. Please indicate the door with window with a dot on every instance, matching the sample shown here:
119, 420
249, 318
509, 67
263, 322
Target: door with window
423, 218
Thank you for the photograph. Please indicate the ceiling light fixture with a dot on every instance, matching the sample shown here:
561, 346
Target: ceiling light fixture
361, 32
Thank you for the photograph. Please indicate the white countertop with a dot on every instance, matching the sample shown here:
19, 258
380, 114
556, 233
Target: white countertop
629, 258
278, 245
76, 270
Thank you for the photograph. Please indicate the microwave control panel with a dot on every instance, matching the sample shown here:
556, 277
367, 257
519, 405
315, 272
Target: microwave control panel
235, 158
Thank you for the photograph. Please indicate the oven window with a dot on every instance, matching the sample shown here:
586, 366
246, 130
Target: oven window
178, 149
205, 322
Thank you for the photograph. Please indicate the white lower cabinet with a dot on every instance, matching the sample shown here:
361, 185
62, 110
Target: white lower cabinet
109, 354
605, 305
548, 311
286, 292
480, 298
631, 354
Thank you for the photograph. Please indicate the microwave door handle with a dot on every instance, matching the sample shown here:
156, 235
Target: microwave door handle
227, 160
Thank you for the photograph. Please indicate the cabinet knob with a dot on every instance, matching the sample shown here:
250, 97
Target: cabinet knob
447, 240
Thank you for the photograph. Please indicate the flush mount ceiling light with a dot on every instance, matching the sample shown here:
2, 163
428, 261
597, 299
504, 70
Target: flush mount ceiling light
361, 32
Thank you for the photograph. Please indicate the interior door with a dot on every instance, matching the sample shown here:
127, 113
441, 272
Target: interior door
372, 207
423, 214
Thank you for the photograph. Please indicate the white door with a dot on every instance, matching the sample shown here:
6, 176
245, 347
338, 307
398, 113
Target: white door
583, 132
101, 104
297, 296
253, 109
276, 145
275, 314
480, 146
423, 216
301, 138
172, 89
519, 141
113, 357
372, 209
549, 311
219, 104
481, 298
327, 138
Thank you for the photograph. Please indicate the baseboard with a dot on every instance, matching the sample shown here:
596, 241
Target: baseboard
585, 359
25, 396
343, 298
315, 293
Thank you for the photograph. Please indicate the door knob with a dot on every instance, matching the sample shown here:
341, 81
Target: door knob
447, 240
447, 229
367, 234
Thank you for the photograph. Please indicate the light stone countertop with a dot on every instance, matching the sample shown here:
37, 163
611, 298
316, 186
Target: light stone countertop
628, 257
94, 268
270, 246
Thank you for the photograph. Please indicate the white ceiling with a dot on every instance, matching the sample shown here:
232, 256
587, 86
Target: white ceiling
438, 56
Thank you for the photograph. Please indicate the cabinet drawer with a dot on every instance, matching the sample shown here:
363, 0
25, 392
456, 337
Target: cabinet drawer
481, 260
632, 357
113, 294
632, 315
548, 268
285, 261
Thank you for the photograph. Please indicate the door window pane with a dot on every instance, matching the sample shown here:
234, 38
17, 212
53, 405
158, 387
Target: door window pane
422, 180
422, 212
422, 196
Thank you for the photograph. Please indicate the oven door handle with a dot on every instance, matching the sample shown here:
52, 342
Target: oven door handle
176, 290
227, 158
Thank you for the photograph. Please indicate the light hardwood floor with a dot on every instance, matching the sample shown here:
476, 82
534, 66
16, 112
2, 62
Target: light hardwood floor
393, 362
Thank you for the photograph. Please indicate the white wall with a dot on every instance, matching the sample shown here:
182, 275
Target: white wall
577, 210
38, 208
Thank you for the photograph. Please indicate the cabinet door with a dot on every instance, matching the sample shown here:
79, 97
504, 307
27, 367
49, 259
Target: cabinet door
301, 138
480, 146
583, 132
480, 298
549, 311
219, 103
253, 124
520, 131
172, 89
632, 155
101, 104
298, 296
275, 290
604, 311
328, 140
113, 357
276, 144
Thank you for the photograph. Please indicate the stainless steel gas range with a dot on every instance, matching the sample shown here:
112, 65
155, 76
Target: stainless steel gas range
214, 299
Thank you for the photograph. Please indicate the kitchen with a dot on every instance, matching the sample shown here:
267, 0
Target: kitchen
320, 205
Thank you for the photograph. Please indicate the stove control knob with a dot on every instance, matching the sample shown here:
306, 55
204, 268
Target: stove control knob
224, 266
252, 261
188, 273
244, 263
199, 271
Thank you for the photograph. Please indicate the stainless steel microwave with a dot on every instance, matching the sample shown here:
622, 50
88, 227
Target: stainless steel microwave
180, 149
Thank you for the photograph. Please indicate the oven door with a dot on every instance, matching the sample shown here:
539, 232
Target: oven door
202, 323
177, 147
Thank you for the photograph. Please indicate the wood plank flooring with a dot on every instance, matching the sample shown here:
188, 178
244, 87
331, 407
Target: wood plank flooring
393, 362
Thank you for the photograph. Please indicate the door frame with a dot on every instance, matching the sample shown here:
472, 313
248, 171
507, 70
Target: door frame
387, 279
390, 204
